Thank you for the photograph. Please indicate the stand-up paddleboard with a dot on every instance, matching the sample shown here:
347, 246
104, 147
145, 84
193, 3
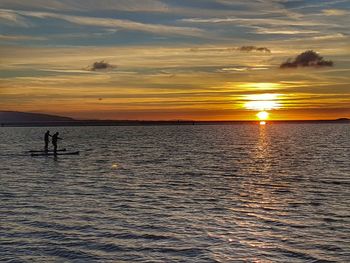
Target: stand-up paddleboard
53, 154
43, 151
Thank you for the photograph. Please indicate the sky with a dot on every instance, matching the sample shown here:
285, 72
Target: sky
176, 59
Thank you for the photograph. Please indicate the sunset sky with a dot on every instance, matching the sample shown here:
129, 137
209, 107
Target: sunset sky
175, 59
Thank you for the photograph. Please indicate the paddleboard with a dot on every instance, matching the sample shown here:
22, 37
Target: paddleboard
43, 151
53, 154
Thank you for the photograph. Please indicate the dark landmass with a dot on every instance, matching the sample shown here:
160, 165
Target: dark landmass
22, 119
27, 117
343, 120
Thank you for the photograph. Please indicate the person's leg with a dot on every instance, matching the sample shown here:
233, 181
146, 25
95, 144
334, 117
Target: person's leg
55, 148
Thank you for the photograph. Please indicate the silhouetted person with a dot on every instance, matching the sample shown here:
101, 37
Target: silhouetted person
47, 140
55, 138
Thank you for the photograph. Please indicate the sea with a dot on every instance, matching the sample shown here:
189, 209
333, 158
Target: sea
178, 193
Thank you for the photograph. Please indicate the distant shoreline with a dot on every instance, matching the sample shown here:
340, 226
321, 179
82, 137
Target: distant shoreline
30, 119
158, 123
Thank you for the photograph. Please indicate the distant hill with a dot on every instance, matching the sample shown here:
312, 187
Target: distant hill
19, 117
343, 120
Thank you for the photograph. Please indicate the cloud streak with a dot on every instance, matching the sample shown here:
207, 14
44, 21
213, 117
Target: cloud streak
284, 31
254, 48
254, 21
232, 49
20, 37
335, 12
11, 18
88, 5
110, 23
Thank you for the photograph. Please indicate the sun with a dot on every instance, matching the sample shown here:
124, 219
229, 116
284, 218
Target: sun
263, 115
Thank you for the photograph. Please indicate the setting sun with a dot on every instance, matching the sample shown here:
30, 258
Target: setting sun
263, 115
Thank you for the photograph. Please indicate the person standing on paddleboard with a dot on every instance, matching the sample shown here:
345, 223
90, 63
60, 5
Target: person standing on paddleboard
47, 140
55, 138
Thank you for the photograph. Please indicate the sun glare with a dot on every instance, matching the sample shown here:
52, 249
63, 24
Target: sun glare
261, 85
262, 102
261, 105
263, 115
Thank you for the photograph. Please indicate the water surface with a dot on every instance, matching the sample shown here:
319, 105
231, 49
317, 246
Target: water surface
221, 193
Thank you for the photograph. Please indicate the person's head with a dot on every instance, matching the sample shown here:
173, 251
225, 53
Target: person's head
47, 131
57, 133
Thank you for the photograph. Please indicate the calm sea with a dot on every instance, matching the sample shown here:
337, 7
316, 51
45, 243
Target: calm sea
221, 193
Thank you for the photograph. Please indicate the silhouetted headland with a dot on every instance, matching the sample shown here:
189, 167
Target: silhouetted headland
24, 119
20, 117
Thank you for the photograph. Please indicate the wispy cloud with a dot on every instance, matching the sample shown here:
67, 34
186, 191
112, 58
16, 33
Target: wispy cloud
11, 18
335, 12
287, 31
87, 5
255, 21
111, 23
20, 37
232, 49
242, 69
317, 4
331, 36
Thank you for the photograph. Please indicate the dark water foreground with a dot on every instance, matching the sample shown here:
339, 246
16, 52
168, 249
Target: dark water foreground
240, 193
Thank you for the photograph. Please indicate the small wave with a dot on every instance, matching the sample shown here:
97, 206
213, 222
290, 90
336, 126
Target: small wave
70, 254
